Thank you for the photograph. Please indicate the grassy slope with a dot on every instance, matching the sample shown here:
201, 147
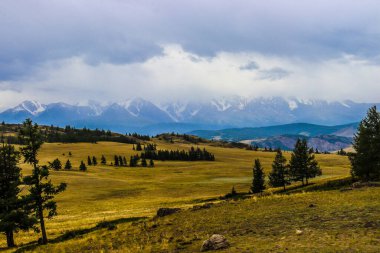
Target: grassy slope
108, 193
338, 222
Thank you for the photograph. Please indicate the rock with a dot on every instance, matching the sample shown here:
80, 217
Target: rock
365, 184
167, 211
312, 205
299, 232
214, 243
205, 206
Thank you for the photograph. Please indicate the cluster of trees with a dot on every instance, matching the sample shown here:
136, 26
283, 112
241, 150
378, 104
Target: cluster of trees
139, 136
302, 166
24, 212
194, 154
365, 162
71, 134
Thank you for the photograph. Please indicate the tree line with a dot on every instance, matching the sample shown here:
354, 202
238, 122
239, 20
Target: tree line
194, 154
26, 211
71, 134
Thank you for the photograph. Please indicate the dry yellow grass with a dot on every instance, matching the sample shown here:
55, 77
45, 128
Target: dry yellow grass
108, 193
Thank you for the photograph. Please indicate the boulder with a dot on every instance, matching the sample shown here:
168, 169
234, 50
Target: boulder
167, 211
215, 242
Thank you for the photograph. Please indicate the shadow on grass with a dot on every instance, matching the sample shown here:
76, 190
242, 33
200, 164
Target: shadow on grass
110, 225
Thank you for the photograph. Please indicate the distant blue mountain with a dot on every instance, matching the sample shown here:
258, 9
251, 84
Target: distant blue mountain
323, 138
146, 117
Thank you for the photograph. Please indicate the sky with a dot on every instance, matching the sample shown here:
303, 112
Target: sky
79, 50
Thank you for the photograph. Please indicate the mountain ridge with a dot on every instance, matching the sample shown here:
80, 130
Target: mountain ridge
138, 114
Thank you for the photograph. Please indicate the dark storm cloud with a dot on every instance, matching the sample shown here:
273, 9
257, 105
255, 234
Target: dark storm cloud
115, 31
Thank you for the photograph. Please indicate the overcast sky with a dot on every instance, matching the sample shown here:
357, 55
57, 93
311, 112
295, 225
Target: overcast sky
79, 50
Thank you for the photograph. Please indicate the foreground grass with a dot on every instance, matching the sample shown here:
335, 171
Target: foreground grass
330, 221
111, 193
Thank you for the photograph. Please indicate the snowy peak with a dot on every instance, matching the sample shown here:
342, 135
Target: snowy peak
32, 107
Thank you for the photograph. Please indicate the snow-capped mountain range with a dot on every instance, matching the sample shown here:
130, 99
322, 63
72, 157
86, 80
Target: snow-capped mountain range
146, 117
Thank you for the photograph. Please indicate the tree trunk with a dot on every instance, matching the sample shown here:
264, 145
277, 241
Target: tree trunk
10, 239
307, 181
42, 224
303, 183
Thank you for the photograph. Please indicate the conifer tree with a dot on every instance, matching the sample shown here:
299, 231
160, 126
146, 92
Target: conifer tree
144, 163
103, 160
258, 180
120, 161
94, 161
302, 165
279, 175
151, 163
365, 162
82, 166
89, 161
13, 213
68, 165
56, 164
116, 158
41, 191
125, 161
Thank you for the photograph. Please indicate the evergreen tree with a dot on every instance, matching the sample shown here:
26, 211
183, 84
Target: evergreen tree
116, 158
151, 163
258, 180
89, 161
125, 161
94, 161
365, 163
280, 172
70, 154
41, 191
82, 166
56, 164
138, 147
144, 163
103, 160
68, 165
13, 214
120, 161
302, 165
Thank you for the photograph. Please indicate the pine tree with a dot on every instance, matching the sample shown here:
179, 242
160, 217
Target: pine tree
82, 166
144, 163
365, 163
103, 160
41, 191
120, 161
13, 214
151, 163
89, 161
302, 165
56, 164
125, 161
258, 180
94, 161
138, 147
116, 158
280, 172
68, 165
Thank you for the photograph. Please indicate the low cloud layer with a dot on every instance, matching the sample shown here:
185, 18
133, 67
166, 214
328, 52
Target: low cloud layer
178, 74
79, 50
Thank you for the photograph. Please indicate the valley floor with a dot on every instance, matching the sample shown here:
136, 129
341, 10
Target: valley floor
124, 195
